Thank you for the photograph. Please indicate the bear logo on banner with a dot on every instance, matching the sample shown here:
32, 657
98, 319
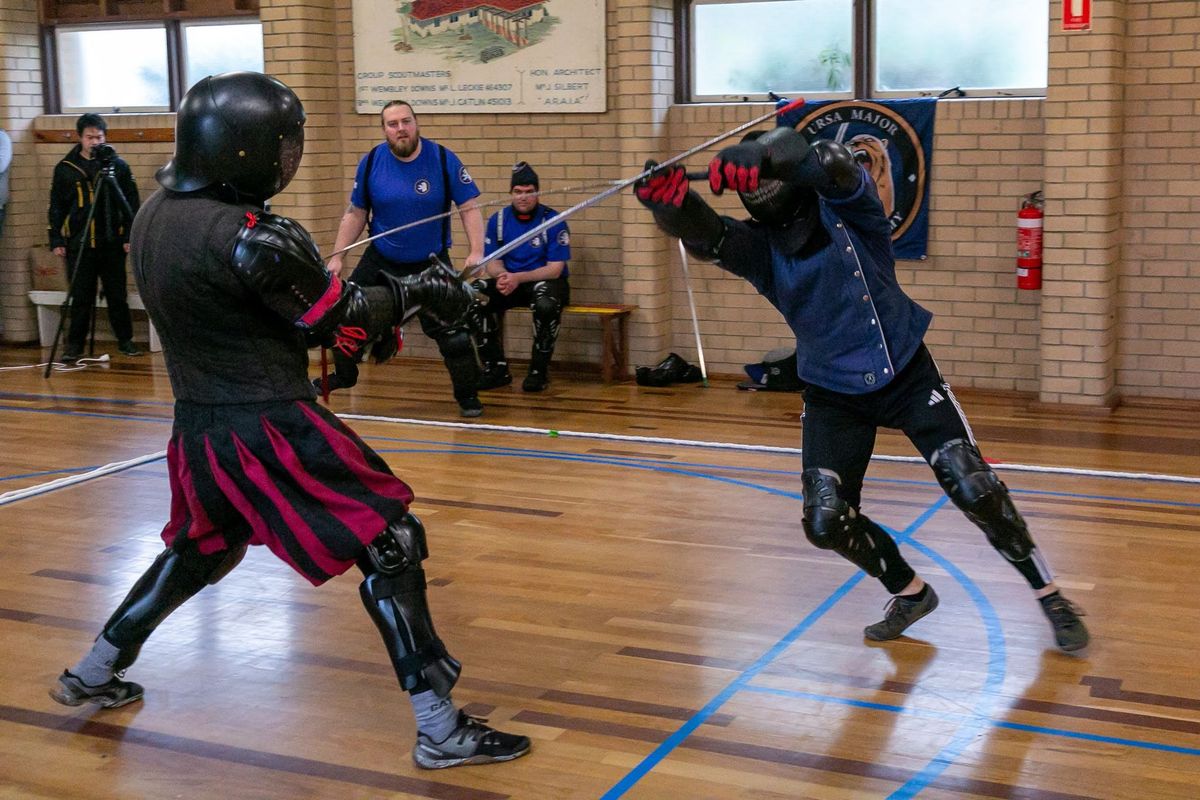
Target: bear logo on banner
893, 140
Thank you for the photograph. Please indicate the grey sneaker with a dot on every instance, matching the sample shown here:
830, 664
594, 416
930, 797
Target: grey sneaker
898, 614
71, 691
472, 742
128, 348
1069, 631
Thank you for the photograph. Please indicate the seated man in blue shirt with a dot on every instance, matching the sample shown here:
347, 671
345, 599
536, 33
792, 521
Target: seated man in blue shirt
819, 248
533, 275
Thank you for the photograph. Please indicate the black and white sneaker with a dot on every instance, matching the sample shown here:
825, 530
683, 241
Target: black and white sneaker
1069, 631
71, 691
472, 742
899, 613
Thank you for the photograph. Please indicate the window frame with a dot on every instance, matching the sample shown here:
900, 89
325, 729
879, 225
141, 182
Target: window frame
176, 58
862, 69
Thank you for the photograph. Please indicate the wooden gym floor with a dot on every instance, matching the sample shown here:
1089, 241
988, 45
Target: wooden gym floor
648, 611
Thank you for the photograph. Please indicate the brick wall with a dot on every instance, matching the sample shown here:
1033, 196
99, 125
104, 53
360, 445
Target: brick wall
1114, 146
20, 104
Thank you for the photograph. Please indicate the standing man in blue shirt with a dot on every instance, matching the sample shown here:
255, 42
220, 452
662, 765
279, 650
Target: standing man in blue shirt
533, 275
405, 179
819, 248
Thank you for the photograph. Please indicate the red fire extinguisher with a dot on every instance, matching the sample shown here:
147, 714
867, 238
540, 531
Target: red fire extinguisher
1029, 242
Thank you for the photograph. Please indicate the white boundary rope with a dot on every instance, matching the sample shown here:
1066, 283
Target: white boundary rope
61, 366
120, 466
756, 448
98, 472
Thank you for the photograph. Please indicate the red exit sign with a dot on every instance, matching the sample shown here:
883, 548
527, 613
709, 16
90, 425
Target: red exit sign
1077, 15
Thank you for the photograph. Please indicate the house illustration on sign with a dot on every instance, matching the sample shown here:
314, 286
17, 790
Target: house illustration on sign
509, 19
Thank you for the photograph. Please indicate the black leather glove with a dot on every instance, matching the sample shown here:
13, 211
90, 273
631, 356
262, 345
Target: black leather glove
737, 167
387, 345
679, 211
437, 292
662, 190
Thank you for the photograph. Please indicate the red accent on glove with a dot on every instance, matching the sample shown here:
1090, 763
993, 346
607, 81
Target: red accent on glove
251, 219
724, 175
348, 340
665, 188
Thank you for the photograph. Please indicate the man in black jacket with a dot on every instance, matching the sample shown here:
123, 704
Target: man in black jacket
95, 250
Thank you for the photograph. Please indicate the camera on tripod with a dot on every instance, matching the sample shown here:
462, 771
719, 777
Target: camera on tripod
104, 153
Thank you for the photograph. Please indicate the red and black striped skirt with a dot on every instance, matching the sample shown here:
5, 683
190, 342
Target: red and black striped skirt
289, 475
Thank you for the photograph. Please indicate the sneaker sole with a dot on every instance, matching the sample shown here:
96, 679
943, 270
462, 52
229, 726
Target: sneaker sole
469, 761
61, 696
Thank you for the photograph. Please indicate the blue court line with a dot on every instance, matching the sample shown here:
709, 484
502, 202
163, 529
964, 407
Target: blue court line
615, 460
42, 474
676, 739
945, 757
440, 447
92, 414
989, 694
953, 716
82, 399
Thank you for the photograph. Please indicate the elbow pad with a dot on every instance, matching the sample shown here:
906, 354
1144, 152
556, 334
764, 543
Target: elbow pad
825, 165
277, 259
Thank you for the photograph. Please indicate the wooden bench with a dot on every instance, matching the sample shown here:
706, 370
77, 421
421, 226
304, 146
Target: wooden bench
614, 345
49, 308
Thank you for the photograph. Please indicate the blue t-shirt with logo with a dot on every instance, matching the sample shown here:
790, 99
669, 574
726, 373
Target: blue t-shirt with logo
552, 244
406, 191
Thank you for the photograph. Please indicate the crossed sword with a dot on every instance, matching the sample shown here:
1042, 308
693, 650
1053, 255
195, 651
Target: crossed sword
474, 270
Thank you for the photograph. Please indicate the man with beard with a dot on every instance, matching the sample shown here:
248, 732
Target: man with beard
533, 275
237, 294
818, 246
405, 179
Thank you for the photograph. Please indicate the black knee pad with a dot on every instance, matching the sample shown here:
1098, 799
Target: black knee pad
830, 523
977, 490
546, 307
455, 342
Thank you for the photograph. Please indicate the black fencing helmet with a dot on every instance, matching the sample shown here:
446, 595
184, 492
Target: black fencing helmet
790, 211
242, 129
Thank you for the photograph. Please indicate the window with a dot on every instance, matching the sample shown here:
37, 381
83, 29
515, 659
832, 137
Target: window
143, 66
747, 49
980, 47
210, 48
103, 68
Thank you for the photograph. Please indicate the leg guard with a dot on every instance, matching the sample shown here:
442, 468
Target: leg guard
831, 523
485, 326
547, 314
978, 491
174, 577
458, 351
394, 594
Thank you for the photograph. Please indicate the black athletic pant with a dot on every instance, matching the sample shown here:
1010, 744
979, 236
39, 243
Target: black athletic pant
839, 433
104, 265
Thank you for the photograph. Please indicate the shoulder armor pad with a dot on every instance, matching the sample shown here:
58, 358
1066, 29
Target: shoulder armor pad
279, 261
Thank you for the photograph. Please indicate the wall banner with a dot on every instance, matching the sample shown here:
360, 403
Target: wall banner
480, 56
894, 140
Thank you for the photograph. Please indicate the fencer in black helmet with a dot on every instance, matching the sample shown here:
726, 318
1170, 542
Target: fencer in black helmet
819, 249
236, 295
241, 129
